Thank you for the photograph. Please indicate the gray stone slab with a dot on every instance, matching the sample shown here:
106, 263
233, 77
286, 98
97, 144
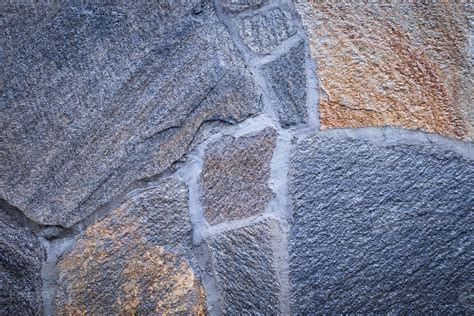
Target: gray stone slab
380, 229
98, 96
263, 31
287, 80
245, 270
21, 257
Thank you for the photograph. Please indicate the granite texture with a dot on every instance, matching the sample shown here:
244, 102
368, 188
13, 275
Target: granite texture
21, 256
235, 176
407, 65
245, 270
136, 260
380, 229
286, 79
263, 31
93, 98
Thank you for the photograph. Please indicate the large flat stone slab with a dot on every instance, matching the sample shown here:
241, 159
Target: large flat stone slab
97, 97
401, 64
136, 260
380, 228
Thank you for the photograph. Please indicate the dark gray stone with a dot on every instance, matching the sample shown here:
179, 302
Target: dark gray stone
262, 32
21, 257
380, 229
287, 80
245, 270
96, 97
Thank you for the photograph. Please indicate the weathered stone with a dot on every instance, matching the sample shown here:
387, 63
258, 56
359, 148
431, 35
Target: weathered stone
245, 270
136, 260
235, 176
286, 77
240, 5
98, 96
21, 256
380, 229
406, 65
262, 32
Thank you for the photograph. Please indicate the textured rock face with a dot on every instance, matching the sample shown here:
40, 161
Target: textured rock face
286, 77
401, 65
380, 229
93, 98
263, 32
245, 270
135, 260
235, 176
21, 256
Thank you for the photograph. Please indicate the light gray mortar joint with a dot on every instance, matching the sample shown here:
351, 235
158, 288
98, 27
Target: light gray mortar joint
49, 274
282, 49
231, 225
392, 136
278, 181
279, 242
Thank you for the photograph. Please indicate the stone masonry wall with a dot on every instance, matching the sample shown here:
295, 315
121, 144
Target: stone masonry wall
233, 157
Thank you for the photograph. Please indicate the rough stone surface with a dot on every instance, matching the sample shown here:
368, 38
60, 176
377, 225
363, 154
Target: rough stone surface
406, 65
380, 229
286, 77
245, 270
235, 176
262, 32
136, 260
21, 256
97, 97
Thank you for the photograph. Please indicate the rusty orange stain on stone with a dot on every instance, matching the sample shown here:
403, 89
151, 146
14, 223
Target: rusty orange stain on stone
404, 65
113, 266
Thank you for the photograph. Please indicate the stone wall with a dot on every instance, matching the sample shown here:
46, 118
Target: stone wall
237, 157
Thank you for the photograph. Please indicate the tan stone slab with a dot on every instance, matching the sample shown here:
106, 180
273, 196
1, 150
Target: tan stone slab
235, 176
399, 65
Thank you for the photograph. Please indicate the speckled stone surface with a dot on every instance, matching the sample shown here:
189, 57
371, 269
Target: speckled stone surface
235, 176
287, 80
380, 229
136, 260
245, 270
94, 98
21, 256
402, 64
263, 31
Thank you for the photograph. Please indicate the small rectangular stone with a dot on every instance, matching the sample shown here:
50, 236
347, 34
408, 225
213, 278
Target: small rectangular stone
245, 270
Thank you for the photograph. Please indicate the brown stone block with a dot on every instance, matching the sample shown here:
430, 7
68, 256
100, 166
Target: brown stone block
235, 176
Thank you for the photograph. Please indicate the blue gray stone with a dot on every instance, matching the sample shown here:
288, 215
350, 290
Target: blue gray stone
97, 97
263, 31
380, 229
21, 257
245, 270
287, 81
